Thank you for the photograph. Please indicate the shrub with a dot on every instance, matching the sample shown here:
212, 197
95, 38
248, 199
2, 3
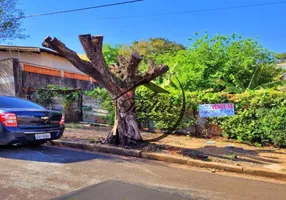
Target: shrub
259, 115
260, 118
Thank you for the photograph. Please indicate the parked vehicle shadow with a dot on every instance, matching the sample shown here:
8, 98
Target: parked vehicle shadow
50, 154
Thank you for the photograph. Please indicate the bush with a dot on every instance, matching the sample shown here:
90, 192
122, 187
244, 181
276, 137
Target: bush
164, 109
260, 118
259, 115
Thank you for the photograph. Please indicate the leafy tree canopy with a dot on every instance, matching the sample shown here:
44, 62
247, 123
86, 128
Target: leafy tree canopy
111, 53
10, 20
237, 87
221, 57
151, 47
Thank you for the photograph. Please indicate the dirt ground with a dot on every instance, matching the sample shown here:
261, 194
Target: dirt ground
216, 149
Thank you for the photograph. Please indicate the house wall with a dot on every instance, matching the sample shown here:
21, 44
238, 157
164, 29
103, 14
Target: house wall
41, 81
41, 59
7, 86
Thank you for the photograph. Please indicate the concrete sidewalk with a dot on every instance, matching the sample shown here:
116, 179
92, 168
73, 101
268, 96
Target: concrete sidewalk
217, 150
170, 159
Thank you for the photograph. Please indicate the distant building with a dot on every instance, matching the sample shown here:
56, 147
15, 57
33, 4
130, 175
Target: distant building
26, 68
282, 65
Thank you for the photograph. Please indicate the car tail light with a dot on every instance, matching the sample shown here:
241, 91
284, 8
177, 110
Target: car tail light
9, 119
62, 122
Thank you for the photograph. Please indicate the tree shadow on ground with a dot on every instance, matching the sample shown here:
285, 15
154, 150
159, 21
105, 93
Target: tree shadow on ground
211, 152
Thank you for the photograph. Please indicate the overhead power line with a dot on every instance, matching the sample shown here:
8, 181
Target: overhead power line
81, 9
196, 11
155, 14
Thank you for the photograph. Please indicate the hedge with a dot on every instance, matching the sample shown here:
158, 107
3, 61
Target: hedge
259, 115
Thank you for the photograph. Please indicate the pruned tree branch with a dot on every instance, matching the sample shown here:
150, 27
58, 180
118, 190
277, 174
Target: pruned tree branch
92, 46
133, 64
153, 73
127, 69
74, 59
151, 64
122, 61
145, 78
93, 49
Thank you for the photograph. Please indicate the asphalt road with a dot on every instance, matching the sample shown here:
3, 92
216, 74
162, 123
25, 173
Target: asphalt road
50, 172
116, 190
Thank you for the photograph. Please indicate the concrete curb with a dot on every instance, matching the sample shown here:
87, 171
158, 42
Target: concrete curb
264, 173
164, 157
215, 165
170, 158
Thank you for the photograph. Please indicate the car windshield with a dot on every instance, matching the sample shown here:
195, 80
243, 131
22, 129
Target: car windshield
11, 102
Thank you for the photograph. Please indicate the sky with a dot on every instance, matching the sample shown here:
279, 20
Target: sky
119, 24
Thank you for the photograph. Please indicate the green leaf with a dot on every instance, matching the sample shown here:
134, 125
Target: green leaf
155, 88
255, 77
273, 84
237, 82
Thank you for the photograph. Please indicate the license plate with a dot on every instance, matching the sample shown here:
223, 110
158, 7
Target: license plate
43, 136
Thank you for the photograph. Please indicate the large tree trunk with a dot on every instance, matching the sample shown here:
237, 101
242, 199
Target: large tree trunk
125, 130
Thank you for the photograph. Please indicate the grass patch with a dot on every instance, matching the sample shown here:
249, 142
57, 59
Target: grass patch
91, 140
231, 156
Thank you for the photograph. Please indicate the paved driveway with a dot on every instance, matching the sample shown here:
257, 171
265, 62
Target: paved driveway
48, 172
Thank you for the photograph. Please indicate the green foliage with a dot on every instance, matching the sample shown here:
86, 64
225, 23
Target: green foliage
110, 53
91, 140
259, 115
164, 109
209, 59
260, 118
66, 93
237, 86
105, 101
232, 156
46, 97
10, 20
152, 47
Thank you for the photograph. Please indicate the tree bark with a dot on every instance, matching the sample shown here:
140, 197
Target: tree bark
125, 130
